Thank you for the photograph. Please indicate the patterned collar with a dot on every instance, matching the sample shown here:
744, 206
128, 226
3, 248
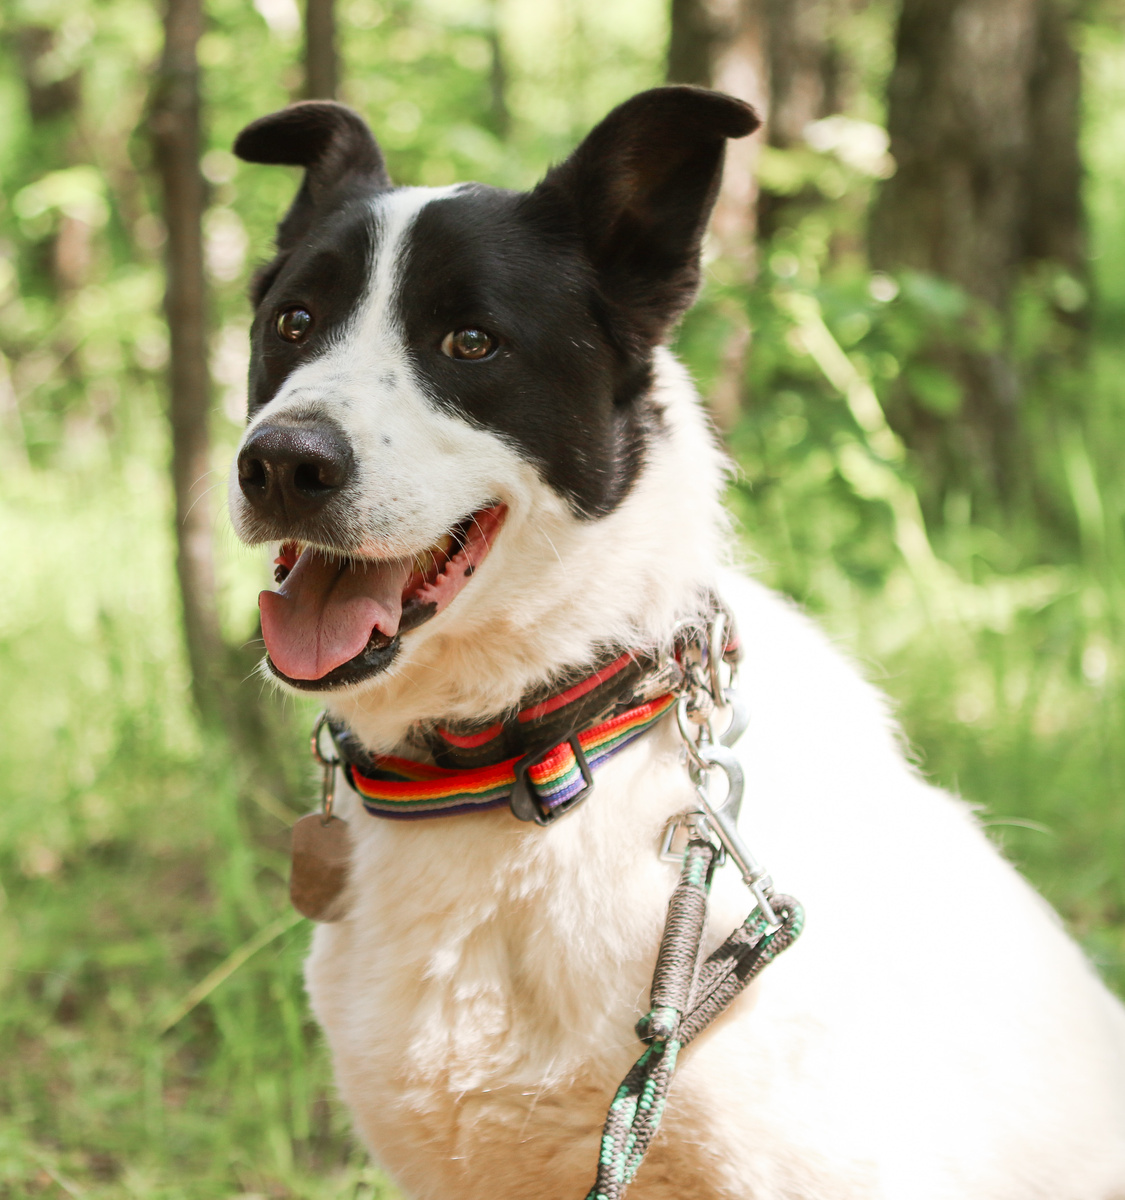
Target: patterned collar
540, 760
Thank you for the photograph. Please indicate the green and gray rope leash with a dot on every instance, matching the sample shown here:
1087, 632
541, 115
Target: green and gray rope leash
687, 994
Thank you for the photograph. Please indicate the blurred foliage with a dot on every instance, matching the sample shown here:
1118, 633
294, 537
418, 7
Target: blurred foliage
135, 858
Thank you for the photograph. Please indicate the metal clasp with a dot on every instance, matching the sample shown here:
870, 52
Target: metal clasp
694, 823
704, 693
329, 762
724, 821
709, 750
525, 801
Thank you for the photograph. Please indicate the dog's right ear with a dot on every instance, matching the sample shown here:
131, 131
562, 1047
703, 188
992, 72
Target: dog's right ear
331, 142
639, 190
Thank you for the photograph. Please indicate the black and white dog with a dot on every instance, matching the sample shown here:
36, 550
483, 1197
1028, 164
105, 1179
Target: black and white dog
488, 475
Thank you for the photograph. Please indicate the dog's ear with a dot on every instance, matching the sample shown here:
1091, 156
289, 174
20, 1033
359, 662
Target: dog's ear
330, 141
641, 188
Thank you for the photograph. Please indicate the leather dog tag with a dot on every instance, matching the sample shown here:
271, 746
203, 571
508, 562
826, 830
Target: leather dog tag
322, 852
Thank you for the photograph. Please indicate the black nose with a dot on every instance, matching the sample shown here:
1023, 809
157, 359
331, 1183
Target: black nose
288, 472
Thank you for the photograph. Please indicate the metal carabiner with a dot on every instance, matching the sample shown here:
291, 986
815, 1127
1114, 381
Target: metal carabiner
725, 759
724, 821
689, 737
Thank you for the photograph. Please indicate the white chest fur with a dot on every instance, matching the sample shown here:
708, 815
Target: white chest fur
927, 1034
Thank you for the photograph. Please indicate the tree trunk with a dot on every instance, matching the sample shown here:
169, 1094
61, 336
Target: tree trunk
174, 124
699, 32
959, 118
983, 116
500, 116
248, 720
48, 96
722, 44
780, 56
808, 80
1055, 223
322, 73
805, 67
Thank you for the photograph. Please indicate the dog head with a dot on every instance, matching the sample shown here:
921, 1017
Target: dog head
429, 364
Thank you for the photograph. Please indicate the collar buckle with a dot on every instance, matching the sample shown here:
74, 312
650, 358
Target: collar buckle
526, 802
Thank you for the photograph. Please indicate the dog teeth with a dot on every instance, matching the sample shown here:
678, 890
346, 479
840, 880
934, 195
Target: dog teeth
436, 556
288, 553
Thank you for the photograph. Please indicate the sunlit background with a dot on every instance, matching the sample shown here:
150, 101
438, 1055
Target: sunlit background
927, 462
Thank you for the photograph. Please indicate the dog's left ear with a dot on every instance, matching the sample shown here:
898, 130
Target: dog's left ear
331, 142
641, 188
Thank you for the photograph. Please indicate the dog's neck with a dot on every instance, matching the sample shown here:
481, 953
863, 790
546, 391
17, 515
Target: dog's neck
557, 590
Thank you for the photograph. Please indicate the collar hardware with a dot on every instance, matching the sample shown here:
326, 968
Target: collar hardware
525, 801
689, 991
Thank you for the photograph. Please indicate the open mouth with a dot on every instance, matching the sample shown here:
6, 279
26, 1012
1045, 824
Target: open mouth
337, 620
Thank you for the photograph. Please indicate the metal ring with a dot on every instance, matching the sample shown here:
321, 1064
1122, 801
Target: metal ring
716, 646
685, 733
739, 717
314, 742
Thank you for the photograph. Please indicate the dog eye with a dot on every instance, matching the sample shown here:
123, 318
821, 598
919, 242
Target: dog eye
293, 324
468, 343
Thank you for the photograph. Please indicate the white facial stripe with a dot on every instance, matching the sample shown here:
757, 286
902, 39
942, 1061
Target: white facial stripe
395, 213
376, 328
375, 322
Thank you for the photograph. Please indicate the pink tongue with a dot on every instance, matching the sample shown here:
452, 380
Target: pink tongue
326, 610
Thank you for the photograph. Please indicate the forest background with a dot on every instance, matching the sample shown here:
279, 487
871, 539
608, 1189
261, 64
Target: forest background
911, 334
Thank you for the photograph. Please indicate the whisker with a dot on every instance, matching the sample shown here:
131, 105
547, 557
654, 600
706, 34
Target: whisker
203, 494
554, 548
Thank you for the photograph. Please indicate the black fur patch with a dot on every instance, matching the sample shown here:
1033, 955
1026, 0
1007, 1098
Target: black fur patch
560, 386
640, 189
579, 280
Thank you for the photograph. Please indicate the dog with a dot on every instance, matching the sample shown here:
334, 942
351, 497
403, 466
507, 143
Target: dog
489, 478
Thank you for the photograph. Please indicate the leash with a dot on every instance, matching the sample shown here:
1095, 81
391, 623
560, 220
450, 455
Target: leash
686, 997
686, 994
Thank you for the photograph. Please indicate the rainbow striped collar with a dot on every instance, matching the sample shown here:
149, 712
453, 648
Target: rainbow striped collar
540, 759
538, 787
